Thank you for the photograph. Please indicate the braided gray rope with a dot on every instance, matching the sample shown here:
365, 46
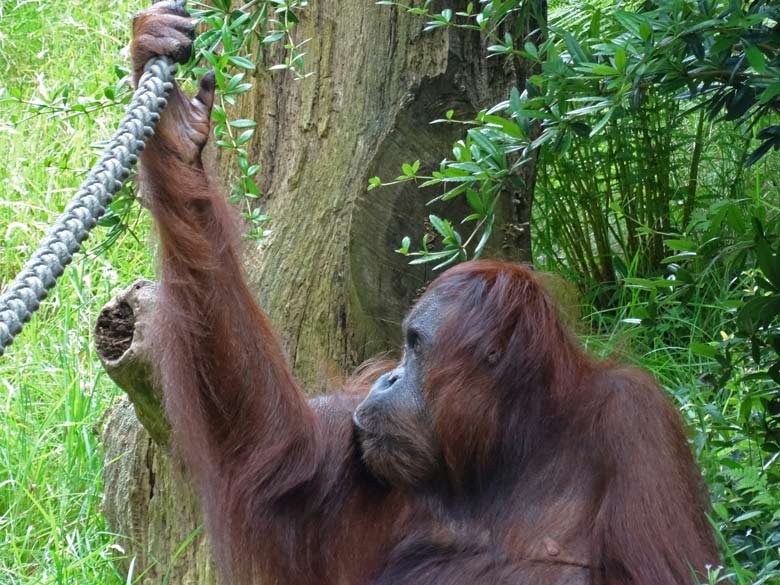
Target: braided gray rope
39, 275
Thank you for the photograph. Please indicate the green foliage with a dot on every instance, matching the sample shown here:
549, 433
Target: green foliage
234, 42
606, 70
481, 168
484, 165
489, 17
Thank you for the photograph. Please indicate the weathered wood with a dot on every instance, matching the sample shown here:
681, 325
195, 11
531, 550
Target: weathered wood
123, 345
148, 499
150, 503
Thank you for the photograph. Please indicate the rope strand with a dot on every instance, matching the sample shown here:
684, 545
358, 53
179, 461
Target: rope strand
39, 275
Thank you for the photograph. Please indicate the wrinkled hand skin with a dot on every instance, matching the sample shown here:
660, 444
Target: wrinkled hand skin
167, 30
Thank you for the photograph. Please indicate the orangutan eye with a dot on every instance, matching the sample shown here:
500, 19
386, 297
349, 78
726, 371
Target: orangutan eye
413, 340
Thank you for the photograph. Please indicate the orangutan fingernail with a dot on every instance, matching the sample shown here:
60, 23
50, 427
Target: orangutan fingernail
551, 547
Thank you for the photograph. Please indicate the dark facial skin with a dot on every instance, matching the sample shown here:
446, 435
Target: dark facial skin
393, 423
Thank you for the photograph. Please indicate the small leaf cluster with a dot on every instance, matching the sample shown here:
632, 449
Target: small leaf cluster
484, 16
58, 102
229, 46
483, 167
722, 55
758, 320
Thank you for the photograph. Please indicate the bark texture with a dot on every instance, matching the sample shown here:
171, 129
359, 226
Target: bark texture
147, 499
327, 275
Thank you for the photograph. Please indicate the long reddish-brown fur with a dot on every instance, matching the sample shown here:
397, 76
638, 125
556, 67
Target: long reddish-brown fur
558, 468
547, 442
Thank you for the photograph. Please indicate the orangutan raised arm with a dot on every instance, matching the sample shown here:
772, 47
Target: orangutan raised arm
237, 413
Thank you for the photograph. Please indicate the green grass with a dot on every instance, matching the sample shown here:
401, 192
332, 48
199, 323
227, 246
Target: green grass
52, 389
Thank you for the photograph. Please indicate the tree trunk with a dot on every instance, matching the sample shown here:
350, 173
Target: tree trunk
530, 24
327, 275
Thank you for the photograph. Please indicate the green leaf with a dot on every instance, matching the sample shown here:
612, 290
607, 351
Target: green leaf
758, 312
678, 257
243, 123
756, 58
602, 122
440, 225
474, 200
469, 167
747, 516
770, 93
218, 114
234, 82
431, 257
600, 69
273, 37
774, 372
374, 182
645, 32
620, 59
252, 189
404, 249
245, 136
451, 260
515, 102
642, 283
507, 126
682, 245
483, 240
242, 62
499, 49
768, 261
704, 350
574, 48
452, 193
485, 144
